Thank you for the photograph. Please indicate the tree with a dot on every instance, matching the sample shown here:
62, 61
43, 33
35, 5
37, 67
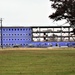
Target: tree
65, 9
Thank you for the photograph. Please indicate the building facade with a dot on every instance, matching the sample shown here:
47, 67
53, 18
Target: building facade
12, 36
37, 36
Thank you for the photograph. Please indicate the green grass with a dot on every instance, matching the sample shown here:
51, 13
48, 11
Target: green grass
42, 62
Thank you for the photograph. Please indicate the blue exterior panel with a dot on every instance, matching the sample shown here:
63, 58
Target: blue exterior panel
47, 44
16, 36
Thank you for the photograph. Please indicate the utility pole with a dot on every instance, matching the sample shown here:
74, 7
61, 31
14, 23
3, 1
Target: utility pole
1, 34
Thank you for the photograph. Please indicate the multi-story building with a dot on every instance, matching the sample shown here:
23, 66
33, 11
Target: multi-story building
37, 36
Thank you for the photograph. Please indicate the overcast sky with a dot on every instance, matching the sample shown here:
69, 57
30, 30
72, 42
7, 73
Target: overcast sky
26, 12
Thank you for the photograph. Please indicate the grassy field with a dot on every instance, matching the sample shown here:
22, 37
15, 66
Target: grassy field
37, 62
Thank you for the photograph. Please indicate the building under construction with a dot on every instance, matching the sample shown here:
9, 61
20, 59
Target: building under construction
48, 36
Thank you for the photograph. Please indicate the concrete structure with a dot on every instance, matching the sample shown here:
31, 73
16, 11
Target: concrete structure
37, 36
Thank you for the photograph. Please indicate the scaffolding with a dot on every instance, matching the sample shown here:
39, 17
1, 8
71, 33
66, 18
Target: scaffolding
53, 34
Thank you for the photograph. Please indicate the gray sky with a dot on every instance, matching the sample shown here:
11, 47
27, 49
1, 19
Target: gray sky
26, 12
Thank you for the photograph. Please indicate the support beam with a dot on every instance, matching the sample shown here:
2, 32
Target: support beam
1, 34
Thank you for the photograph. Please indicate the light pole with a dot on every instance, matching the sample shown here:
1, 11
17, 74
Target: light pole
1, 34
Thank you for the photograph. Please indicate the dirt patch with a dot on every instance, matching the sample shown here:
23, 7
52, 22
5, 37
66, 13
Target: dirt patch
49, 48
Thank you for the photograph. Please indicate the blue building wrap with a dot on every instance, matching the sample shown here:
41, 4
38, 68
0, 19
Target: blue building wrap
53, 44
12, 36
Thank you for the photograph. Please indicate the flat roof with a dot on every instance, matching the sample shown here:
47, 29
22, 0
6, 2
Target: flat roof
36, 26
